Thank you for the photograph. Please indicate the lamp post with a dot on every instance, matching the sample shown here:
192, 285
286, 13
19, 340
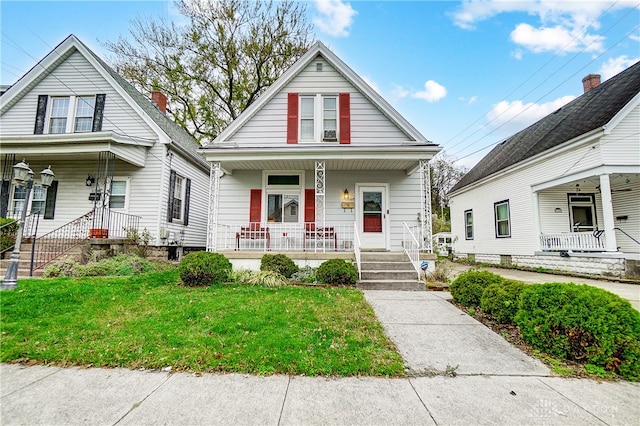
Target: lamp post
22, 176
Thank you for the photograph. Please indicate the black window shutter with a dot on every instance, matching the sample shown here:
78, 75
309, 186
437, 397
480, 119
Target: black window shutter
4, 197
98, 113
187, 195
41, 112
50, 203
172, 184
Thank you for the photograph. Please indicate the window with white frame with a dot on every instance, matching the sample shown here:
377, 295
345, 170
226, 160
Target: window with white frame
319, 118
178, 198
85, 106
58, 115
38, 199
283, 193
468, 224
118, 194
502, 214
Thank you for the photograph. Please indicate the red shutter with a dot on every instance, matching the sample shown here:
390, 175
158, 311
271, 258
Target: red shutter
255, 207
309, 205
345, 118
292, 118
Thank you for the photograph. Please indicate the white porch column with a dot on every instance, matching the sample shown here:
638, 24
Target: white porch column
425, 206
215, 173
320, 200
607, 214
535, 207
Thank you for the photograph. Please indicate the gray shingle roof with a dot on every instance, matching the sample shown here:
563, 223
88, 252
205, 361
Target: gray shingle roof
588, 112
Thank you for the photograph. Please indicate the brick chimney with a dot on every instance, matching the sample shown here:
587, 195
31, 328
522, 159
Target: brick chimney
590, 81
160, 100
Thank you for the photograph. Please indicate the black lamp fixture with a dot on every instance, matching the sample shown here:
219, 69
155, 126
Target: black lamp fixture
345, 195
90, 180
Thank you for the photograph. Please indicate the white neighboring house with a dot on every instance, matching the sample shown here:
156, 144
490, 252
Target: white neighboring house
119, 161
322, 139
563, 193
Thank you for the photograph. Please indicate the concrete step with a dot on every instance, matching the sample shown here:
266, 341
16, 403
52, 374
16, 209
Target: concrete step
387, 266
389, 275
399, 285
383, 256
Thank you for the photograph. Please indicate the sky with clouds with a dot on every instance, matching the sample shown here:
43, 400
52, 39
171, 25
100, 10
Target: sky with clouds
466, 74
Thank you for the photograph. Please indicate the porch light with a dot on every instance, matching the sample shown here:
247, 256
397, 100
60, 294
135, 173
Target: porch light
345, 195
90, 180
558, 210
47, 176
22, 173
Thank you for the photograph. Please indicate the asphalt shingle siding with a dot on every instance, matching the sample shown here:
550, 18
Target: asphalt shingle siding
588, 112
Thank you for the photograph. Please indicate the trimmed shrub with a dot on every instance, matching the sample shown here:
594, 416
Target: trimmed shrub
203, 268
467, 289
582, 323
501, 300
279, 263
305, 275
120, 265
337, 271
66, 267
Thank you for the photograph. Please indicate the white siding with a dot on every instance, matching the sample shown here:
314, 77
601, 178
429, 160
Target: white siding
75, 76
622, 145
368, 125
627, 203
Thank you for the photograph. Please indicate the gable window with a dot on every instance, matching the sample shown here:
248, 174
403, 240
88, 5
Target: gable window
179, 194
84, 113
468, 224
67, 114
283, 196
317, 118
503, 226
58, 116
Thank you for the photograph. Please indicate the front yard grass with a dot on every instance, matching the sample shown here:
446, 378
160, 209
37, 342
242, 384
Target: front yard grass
148, 321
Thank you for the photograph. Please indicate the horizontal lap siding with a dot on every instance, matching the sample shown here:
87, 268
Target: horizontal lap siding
626, 204
75, 76
622, 145
516, 186
269, 125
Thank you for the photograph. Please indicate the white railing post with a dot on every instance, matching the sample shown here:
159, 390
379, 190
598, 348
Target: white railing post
425, 206
320, 200
356, 249
411, 247
215, 173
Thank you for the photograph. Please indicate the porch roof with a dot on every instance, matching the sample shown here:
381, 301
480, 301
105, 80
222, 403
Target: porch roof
348, 157
78, 146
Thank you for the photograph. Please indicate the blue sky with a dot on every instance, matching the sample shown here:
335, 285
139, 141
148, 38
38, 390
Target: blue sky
466, 74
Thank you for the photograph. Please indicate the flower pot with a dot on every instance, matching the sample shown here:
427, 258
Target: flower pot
98, 233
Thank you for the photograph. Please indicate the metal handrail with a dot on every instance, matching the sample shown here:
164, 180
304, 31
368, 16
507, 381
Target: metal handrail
636, 241
411, 247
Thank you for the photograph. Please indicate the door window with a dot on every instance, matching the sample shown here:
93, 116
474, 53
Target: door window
372, 211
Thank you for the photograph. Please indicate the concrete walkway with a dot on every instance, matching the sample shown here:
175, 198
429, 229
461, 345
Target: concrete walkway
496, 384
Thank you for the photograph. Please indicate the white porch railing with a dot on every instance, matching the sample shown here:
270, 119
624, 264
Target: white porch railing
356, 249
271, 236
574, 241
411, 247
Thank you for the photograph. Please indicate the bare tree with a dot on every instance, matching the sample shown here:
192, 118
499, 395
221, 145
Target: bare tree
444, 175
213, 67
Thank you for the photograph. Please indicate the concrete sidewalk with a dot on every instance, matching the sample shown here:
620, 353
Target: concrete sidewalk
497, 384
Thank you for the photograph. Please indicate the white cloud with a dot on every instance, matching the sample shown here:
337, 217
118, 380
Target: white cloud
615, 65
432, 92
555, 39
472, 100
517, 54
564, 26
335, 17
399, 91
514, 116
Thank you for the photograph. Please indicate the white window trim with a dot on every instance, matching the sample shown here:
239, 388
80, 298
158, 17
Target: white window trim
318, 117
284, 190
183, 194
127, 180
466, 225
12, 193
495, 218
71, 112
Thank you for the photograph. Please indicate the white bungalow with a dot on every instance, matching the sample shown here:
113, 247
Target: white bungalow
563, 193
320, 137
120, 164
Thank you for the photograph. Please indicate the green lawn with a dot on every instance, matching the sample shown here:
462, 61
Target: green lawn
149, 321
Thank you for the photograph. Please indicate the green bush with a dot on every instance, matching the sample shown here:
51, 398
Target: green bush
468, 287
120, 265
279, 263
8, 230
65, 267
268, 279
501, 300
337, 271
582, 323
306, 275
203, 268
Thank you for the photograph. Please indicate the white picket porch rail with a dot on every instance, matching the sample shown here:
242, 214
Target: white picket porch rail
575, 241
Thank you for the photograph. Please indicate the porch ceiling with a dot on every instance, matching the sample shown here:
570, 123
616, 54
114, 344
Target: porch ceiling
399, 157
77, 146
